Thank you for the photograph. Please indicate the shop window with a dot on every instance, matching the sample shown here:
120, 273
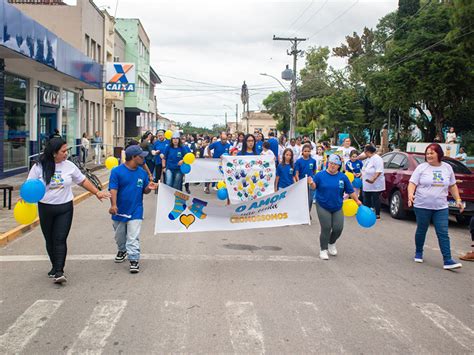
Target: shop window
93, 50
69, 117
88, 48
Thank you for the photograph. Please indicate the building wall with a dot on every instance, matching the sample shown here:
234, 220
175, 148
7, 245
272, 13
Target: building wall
259, 121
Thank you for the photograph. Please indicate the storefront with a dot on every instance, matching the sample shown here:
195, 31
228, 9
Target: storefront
49, 102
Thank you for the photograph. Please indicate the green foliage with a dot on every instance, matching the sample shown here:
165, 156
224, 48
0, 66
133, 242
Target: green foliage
278, 104
188, 128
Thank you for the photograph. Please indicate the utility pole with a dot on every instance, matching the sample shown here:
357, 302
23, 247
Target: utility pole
244, 96
294, 52
226, 121
236, 118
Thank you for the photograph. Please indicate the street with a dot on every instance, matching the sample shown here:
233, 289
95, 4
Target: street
255, 291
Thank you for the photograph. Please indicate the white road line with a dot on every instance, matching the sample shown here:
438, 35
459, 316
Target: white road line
452, 326
174, 334
391, 326
246, 333
316, 329
179, 257
27, 325
100, 325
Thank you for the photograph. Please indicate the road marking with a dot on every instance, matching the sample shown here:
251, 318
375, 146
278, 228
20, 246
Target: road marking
452, 326
175, 321
27, 325
245, 330
316, 329
100, 325
181, 257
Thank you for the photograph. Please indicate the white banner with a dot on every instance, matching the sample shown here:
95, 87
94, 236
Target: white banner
205, 170
248, 177
178, 212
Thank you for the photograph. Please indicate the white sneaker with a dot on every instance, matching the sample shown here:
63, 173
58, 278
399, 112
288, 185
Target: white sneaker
332, 249
323, 255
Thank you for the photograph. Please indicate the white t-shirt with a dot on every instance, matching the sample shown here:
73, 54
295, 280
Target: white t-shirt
373, 165
269, 153
463, 158
451, 137
432, 183
346, 153
59, 190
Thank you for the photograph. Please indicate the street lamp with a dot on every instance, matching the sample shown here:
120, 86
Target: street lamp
279, 82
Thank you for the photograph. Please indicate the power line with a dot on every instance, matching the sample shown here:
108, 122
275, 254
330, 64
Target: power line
312, 16
304, 11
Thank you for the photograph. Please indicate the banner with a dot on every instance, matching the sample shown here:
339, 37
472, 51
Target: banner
205, 170
178, 212
248, 177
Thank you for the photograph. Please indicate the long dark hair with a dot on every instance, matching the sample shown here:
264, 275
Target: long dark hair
283, 157
47, 158
244, 144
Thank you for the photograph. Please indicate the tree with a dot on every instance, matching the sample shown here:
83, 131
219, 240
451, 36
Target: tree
278, 104
314, 77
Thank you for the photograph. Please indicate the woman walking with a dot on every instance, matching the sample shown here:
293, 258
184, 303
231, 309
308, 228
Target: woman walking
85, 144
172, 160
373, 179
248, 146
98, 146
330, 186
146, 144
428, 194
285, 171
56, 208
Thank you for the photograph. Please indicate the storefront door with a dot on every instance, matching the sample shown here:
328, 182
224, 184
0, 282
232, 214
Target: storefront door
48, 122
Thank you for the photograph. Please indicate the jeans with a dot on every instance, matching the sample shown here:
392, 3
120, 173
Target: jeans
98, 153
372, 200
127, 236
174, 178
332, 224
55, 221
440, 220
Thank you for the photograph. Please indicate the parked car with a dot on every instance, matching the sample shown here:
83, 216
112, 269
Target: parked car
398, 169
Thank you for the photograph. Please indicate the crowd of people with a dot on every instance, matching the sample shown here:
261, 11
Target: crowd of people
155, 158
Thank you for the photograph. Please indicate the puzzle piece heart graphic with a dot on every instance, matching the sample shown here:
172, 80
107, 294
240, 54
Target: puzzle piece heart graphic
187, 219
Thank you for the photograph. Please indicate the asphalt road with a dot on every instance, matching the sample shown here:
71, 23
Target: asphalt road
255, 291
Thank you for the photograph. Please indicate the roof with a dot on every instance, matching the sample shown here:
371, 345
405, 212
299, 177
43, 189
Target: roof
154, 76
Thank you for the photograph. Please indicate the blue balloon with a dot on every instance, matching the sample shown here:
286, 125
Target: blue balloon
357, 183
222, 193
185, 168
32, 191
365, 217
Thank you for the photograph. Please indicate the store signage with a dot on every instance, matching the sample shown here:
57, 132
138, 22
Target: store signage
120, 77
50, 97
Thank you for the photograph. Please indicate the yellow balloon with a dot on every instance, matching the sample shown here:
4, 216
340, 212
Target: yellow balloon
189, 158
220, 184
25, 213
349, 208
111, 162
350, 176
168, 134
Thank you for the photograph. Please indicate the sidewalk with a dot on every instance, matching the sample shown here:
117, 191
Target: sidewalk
7, 222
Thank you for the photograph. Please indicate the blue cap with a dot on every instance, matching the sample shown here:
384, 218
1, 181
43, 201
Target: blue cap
335, 159
134, 150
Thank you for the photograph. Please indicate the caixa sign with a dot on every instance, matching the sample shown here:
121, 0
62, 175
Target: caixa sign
120, 77
50, 97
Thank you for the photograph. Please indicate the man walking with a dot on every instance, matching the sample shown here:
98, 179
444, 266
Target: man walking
128, 183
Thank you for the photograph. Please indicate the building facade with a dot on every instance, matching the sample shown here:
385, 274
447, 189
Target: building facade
258, 121
42, 80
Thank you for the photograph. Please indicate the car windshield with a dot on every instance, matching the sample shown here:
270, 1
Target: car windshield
458, 167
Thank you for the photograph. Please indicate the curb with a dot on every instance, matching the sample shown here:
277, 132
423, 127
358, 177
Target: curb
17, 232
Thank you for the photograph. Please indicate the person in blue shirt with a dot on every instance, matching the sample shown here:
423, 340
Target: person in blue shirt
259, 142
128, 183
330, 186
285, 171
248, 145
354, 165
172, 161
273, 144
220, 148
159, 148
306, 166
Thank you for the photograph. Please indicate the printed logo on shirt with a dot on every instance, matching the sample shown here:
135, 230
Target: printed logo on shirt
438, 179
179, 154
311, 165
341, 184
291, 170
139, 182
57, 182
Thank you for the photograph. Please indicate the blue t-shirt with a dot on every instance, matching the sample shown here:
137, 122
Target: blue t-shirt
161, 146
285, 173
305, 167
259, 147
218, 149
354, 166
246, 153
130, 185
330, 189
174, 155
273, 145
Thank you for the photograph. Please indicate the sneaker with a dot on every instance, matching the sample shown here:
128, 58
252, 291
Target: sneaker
332, 249
215, 188
134, 267
59, 278
206, 190
377, 217
120, 257
51, 273
418, 257
468, 256
323, 255
451, 264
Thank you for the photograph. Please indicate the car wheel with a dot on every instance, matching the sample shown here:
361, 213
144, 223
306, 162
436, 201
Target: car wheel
396, 206
463, 219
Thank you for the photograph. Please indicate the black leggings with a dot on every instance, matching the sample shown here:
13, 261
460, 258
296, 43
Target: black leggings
372, 200
158, 172
55, 221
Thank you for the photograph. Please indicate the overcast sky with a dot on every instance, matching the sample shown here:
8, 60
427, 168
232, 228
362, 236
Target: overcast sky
222, 43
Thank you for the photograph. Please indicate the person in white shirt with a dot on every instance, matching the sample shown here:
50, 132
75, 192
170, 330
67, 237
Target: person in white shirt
451, 136
346, 150
267, 151
462, 156
85, 144
55, 209
373, 179
295, 148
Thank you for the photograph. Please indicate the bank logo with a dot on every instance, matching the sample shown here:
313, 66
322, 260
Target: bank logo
120, 77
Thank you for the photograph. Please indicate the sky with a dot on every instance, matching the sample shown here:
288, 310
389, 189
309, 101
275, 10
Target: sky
204, 50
